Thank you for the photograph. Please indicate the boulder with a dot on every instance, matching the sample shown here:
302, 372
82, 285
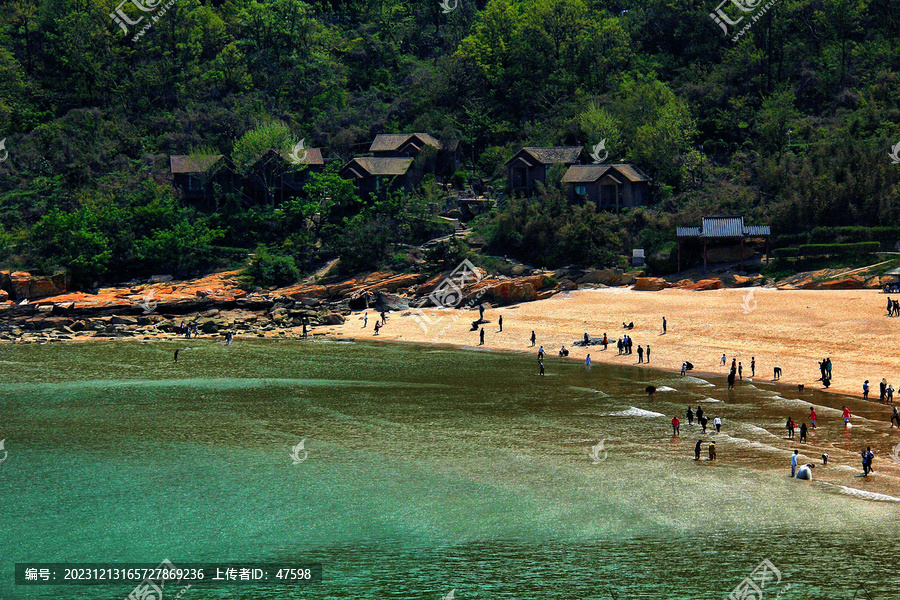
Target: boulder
739, 281
705, 285
386, 301
545, 294
606, 277
123, 320
332, 319
650, 284
512, 292
160, 279
4, 295
873, 283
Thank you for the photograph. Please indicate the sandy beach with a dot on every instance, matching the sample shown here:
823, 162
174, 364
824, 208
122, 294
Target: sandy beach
793, 329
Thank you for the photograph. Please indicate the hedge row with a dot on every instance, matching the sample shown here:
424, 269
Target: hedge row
829, 249
888, 236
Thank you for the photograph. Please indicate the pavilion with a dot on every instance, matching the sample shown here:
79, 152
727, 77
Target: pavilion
723, 228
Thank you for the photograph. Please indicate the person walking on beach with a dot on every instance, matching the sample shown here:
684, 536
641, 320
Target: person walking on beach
712, 451
718, 423
741, 371
378, 327
481, 312
383, 318
828, 367
587, 360
882, 390
731, 380
734, 365
365, 320
699, 414
690, 416
794, 463
541, 353
533, 338
619, 345
664, 325
605, 341
697, 450
803, 432
866, 389
867, 457
723, 359
676, 426
790, 428
890, 394
703, 422
812, 416
640, 354
648, 352
846, 416
683, 368
541, 363
777, 373
752, 366
481, 335
500, 322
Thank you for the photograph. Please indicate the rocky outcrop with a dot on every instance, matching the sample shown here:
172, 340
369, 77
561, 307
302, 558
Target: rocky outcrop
21, 285
854, 282
650, 284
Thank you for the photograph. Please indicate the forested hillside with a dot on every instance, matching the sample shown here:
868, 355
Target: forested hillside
792, 124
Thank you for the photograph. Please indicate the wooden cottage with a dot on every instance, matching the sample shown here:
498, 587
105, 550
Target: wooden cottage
375, 174
610, 187
276, 175
432, 155
529, 166
196, 175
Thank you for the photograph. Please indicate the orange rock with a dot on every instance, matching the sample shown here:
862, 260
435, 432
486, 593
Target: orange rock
854, 282
874, 283
705, 285
400, 281
650, 284
4, 296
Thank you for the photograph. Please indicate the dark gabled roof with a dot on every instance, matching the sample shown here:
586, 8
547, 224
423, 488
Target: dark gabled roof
385, 142
313, 157
198, 163
592, 173
550, 156
375, 165
724, 227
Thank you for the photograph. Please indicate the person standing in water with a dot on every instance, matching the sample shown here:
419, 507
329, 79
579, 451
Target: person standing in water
846, 415
676, 426
541, 363
690, 416
697, 450
712, 451
803, 432
790, 428
718, 423
812, 416
703, 421
794, 463
699, 414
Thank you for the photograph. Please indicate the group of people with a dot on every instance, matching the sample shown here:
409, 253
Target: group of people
886, 391
712, 450
187, 329
791, 426
893, 308
825, 369
701, 420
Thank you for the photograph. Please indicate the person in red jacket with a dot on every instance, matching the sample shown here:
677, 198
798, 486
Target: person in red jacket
675, 426
846, 416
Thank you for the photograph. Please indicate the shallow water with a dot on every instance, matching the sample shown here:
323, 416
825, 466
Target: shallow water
427, 471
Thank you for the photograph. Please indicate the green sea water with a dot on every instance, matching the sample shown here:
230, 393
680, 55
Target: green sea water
428, 470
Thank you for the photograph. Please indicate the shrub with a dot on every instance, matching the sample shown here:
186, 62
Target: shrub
269, 269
